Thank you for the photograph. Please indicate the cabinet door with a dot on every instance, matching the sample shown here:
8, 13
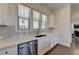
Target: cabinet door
52, 22
47, 44
3, 13
57, 38
43, 45
40, 43
54, 40
9, 51
1, 52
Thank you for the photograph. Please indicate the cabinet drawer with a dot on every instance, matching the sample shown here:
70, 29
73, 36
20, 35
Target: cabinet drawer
9, 51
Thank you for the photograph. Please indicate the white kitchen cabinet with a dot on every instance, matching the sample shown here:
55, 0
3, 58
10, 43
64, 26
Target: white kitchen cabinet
8, 14
43, 45
47, 42
12, 14
52, 21
3, 14
9, 50
54, 40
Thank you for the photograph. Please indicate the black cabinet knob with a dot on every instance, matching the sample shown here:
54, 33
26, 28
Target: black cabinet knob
6, 52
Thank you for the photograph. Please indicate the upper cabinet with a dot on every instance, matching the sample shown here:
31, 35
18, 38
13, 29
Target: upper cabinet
8, 14
3, 14
52, 21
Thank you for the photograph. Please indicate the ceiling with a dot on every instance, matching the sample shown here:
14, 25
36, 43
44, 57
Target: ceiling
75, 6
54, 6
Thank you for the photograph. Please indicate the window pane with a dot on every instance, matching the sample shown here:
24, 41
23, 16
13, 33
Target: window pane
23, 11
44, 20
36, 15
36, 18
35, 25
19, 10
43, 25
23, 23
27, 12
26, 24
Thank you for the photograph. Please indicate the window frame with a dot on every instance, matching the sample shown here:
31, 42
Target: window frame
30, 19
24, 17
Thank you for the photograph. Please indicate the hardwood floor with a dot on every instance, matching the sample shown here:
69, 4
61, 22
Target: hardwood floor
62, 50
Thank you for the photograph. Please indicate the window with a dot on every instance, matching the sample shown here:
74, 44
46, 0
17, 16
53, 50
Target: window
36, 18
24, 15
44, 21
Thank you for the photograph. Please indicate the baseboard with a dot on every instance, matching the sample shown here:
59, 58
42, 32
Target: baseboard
51, 49
65, 45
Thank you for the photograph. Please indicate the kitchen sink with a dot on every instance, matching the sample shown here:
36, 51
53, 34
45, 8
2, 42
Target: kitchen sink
40, 36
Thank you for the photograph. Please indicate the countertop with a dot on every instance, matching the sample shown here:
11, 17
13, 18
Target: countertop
18, 40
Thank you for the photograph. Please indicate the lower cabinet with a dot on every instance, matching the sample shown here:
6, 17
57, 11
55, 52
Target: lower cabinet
43, 45
9, 51
46, 43
54, 40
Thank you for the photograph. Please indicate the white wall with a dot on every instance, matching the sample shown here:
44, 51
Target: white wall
8, 12
62, 20
75, 17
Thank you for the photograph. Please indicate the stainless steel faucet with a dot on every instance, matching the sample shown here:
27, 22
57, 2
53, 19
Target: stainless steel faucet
38, 32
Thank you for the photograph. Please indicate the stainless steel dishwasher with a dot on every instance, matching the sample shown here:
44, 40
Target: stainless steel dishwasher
28, 48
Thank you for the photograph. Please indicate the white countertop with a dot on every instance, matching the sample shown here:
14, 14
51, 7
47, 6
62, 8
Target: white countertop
17, 40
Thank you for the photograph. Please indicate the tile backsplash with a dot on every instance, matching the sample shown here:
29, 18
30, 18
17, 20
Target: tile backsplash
9, 32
